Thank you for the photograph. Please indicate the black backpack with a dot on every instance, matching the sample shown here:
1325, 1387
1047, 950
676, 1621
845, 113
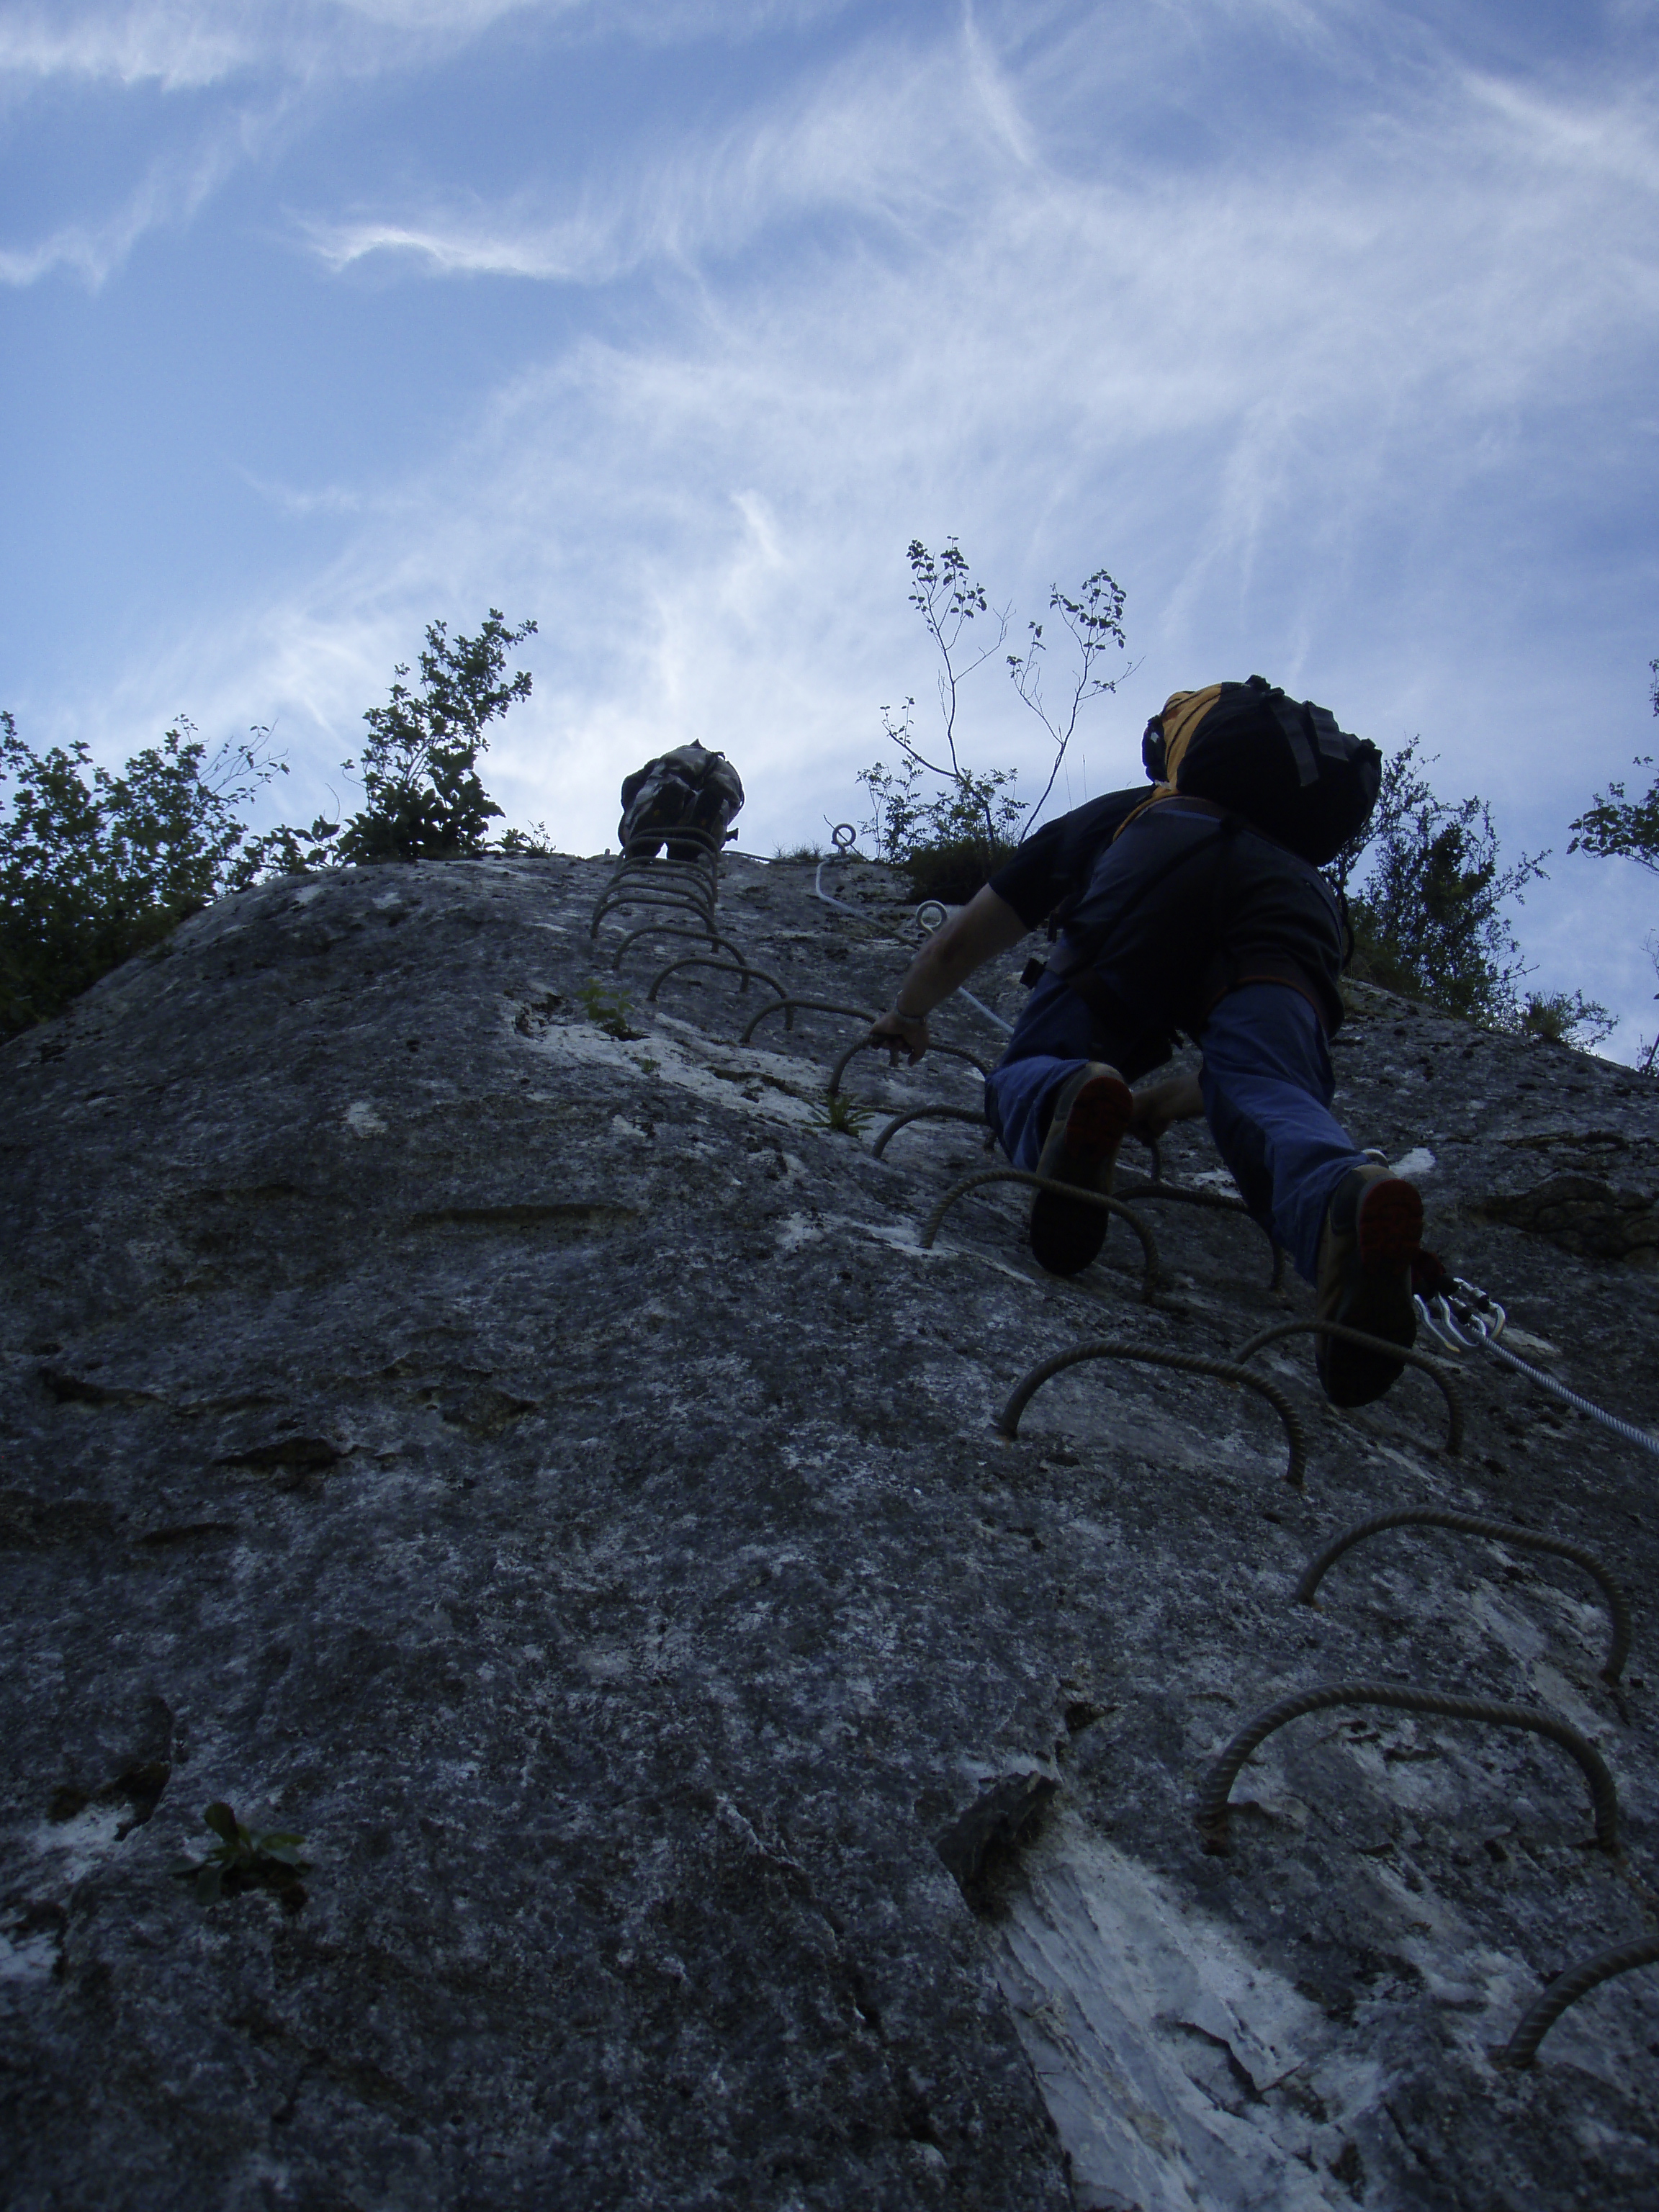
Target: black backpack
690, 788
1281, 765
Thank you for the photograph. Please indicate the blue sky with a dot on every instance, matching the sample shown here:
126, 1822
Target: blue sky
1327, 325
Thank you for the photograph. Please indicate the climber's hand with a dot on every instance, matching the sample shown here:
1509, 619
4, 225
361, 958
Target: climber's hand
899, 1033
1158, 1104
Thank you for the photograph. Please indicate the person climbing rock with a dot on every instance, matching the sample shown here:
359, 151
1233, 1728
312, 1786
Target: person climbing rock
689, 789
1198, 907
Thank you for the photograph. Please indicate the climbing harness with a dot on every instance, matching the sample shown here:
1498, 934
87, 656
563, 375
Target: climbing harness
1449, 1305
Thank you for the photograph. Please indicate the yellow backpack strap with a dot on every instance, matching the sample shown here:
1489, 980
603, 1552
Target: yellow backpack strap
1182, 713
1158, 790
1176, 727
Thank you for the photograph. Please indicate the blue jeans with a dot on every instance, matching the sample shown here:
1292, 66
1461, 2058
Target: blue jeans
1267, 1083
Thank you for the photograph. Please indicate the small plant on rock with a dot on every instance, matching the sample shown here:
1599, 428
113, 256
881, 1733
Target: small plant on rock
246, 1858
607, 1008
1566, 1018
843, 1114
535, 844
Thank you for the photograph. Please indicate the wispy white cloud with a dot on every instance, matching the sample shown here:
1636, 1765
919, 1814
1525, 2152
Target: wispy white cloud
170, 193
886, 139
1331, 404
293, 57
177, 43
301, 502
185, 44
1241, 382
576, 249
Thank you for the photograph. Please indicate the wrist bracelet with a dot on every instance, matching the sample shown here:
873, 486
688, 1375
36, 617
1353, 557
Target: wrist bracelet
903, 1016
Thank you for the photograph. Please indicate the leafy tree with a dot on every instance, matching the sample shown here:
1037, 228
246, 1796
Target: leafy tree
1428, 918
424, 800
94, 867
954, 835
1616, 827
1613, 826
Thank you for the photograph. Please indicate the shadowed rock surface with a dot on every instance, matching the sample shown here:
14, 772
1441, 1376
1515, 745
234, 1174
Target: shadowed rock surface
540, 1467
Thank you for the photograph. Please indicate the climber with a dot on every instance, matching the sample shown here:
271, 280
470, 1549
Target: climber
1198, 907
690, 790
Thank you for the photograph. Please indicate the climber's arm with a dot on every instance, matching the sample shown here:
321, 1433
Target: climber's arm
975, 933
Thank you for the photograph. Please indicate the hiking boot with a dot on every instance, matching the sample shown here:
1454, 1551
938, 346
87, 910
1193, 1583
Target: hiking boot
1090, 1115
1372, 1233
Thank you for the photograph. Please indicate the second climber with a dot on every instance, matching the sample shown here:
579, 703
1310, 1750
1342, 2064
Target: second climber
1198, 908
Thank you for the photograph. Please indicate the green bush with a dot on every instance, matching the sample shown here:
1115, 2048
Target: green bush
423, 798
955, 868
608, 1008
950, 843
1615, 826
94, 867
1567, 1017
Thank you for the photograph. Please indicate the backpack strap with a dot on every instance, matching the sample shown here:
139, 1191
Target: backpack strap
1332, 741
1288, 715
1158, 792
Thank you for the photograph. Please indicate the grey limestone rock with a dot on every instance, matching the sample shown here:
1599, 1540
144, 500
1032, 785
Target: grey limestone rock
517, 1446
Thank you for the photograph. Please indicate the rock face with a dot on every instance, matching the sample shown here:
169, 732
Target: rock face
502, 1435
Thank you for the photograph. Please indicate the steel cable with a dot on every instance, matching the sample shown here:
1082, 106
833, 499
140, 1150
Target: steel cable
942, 913
1628, 1430
1450, 1300
843, 838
